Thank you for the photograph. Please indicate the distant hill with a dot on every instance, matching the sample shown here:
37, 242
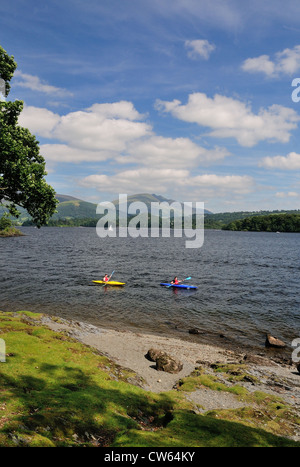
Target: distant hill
74, 210
68, 208
147, 199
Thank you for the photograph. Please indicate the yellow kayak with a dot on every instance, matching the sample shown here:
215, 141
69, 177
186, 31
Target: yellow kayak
109, 283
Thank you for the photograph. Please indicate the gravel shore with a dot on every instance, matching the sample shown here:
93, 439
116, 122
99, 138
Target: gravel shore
128, 349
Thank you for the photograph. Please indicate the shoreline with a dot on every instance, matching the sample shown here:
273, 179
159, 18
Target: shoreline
90, 367
219, 339
128, 349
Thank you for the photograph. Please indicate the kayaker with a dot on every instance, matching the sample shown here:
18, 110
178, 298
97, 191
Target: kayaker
106, 278
175, 280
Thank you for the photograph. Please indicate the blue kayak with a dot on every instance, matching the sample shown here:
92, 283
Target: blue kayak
180, 286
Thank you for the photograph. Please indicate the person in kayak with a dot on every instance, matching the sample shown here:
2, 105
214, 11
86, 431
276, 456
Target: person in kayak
175, 281
106, 278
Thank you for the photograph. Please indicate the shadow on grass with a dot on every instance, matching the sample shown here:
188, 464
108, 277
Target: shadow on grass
70, 407
67, 407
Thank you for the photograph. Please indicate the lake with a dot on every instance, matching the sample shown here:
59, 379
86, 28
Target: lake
248, 282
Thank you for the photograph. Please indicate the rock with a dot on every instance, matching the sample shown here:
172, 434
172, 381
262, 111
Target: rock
169, 364
194, 331
164, 362
274, 342
298, 367
153, 354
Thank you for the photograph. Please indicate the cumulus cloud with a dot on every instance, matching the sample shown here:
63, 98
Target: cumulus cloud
39, 121
65, 153
178, 152
171, 179
261, 64
136, 180
112, 131
117, 133
235, 183
228, 117
286, 61
34, 83
101, 129
289, 162
289, 194
199, 48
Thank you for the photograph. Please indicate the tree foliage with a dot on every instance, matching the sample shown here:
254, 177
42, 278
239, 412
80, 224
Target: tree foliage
270, 223
22, 167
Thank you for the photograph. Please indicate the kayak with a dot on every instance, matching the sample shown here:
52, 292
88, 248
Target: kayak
109, 283
180, 286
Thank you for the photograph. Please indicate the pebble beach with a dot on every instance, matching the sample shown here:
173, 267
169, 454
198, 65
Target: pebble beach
128, 349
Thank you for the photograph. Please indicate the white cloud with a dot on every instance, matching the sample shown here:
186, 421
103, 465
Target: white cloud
233, 183
39, 121
232, 118
100, 128
169, 180
137, 180
259, 64
91, 130
289, 162
176, 152
199, 48
65, 153
290, 194
286, 62
110, 131
34, 83
121, 109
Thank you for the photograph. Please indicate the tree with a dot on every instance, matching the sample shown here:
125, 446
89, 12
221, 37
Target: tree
22, 167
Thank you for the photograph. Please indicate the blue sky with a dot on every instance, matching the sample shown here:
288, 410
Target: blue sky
185, 98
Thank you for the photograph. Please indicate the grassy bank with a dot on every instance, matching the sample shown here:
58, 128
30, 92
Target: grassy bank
55, 391
10, 232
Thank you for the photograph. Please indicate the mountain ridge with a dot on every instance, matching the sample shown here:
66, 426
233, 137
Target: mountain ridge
70, 207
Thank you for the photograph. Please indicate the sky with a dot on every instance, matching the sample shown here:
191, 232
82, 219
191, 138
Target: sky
193, 100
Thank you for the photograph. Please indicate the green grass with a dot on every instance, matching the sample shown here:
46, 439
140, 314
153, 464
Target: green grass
55, 391
10, 232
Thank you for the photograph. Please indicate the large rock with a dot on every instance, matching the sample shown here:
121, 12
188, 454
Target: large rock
153, 354
274, 342
164, 362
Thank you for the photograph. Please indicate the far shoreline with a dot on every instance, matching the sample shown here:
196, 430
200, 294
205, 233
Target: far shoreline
11, 232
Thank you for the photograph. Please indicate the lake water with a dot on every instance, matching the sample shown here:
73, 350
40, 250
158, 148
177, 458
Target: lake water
248, 283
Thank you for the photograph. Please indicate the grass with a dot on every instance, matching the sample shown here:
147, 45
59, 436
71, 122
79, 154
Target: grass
57, 392
10, 232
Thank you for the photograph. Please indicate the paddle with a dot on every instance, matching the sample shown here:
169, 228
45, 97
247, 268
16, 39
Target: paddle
186, 279
108, 279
